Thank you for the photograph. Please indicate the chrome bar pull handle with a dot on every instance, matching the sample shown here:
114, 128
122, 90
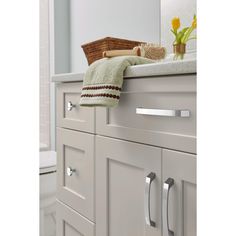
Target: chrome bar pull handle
148, 182
70, 106
166, 188
161, 112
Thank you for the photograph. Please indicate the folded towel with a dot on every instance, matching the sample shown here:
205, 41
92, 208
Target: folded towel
104, 78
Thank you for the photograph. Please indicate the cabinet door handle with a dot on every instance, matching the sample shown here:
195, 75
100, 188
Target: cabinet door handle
70, 106
161, 112
166, 188
70, 171
148, 182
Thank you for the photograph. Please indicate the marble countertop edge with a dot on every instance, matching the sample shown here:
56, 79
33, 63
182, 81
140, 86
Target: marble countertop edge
163, 68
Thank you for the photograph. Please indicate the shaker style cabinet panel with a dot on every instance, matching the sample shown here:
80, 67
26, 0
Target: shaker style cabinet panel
70, 223
159, 111
75, 171
179, 191
69, 113
128, 188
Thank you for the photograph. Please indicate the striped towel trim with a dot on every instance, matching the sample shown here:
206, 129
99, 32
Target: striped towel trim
100, 95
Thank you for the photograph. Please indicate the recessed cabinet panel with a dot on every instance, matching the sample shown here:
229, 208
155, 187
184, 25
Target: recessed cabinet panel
121, 174
160, 111
70, 230
69, 113
181, 167
75, 159
124, 205
76, 170
70, 223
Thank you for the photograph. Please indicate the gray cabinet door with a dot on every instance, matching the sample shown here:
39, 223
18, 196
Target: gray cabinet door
122, 168
75, 170
181, 168
70, 223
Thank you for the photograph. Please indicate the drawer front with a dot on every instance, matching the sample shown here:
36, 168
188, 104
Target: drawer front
75, 170
70, 223
161, 95
69, 113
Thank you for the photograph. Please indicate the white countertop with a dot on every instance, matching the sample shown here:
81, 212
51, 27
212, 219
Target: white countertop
165, 67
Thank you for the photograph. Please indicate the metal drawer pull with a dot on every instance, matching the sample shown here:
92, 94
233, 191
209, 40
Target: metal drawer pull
70, 171
160, 112
70, 106
166, 188
148, 182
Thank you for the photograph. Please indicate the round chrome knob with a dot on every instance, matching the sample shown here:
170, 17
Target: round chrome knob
70, 106
70, 171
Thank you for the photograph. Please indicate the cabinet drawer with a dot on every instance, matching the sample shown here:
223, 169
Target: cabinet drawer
69, 113
70, 223
164, 96
75, 170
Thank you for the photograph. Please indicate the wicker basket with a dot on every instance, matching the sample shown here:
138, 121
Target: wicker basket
94, 50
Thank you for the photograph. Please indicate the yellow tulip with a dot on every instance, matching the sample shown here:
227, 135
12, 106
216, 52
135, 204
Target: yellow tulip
194, 23
175, 23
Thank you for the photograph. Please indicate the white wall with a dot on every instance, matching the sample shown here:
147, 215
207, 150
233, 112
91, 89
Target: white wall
47, 88
185, 9
91, 20
61, 36
82, 21
44, 76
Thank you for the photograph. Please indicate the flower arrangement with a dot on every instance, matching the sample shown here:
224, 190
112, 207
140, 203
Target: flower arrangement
182, 36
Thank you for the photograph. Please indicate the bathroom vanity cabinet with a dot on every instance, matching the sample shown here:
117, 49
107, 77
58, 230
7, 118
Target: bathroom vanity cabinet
129, 170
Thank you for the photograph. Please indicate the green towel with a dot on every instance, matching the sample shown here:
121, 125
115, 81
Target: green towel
104, 78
